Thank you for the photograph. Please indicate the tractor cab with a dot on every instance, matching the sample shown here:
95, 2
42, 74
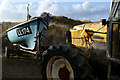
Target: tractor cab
113, 33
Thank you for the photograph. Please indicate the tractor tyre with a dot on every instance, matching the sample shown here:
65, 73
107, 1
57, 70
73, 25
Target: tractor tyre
65, 62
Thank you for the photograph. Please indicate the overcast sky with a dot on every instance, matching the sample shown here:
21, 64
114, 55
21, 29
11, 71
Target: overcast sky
15, 10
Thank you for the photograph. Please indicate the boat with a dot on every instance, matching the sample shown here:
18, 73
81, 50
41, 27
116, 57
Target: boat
30, 33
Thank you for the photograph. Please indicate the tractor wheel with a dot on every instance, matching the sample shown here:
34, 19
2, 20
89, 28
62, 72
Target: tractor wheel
65, 62
7, 55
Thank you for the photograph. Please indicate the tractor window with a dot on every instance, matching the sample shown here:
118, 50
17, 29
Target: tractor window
118, 12
116, 41
116, 36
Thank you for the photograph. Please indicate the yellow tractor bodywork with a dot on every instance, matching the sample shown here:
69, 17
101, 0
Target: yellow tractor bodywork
83, 35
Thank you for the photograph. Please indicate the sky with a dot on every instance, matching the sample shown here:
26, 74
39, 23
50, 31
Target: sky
16, 11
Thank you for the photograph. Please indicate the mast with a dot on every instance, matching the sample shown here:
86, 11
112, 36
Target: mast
28, 15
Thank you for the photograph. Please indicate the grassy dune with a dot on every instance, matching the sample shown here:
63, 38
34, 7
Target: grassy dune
55, 34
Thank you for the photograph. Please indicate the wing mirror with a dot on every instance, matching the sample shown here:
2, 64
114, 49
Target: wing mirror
103, 21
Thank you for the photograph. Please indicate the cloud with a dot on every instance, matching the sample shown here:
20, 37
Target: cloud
11, 11
83, 11
52, 7
87, 11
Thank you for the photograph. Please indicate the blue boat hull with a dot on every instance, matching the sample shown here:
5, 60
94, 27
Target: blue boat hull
26, 35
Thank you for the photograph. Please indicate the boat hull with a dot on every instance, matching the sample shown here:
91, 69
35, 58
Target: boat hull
26, 34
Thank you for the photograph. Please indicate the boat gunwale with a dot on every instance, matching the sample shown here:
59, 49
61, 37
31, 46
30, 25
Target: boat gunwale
26, 22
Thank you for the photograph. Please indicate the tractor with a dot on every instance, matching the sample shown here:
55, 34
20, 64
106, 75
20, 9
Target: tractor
90, 52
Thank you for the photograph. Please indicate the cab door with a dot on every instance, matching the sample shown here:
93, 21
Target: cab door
113, 34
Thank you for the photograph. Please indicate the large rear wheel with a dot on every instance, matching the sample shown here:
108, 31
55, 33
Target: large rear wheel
65, 62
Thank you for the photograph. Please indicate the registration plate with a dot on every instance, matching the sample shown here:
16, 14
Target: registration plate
24, 31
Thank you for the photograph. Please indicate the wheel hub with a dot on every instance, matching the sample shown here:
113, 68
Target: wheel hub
58, 67
64, 73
